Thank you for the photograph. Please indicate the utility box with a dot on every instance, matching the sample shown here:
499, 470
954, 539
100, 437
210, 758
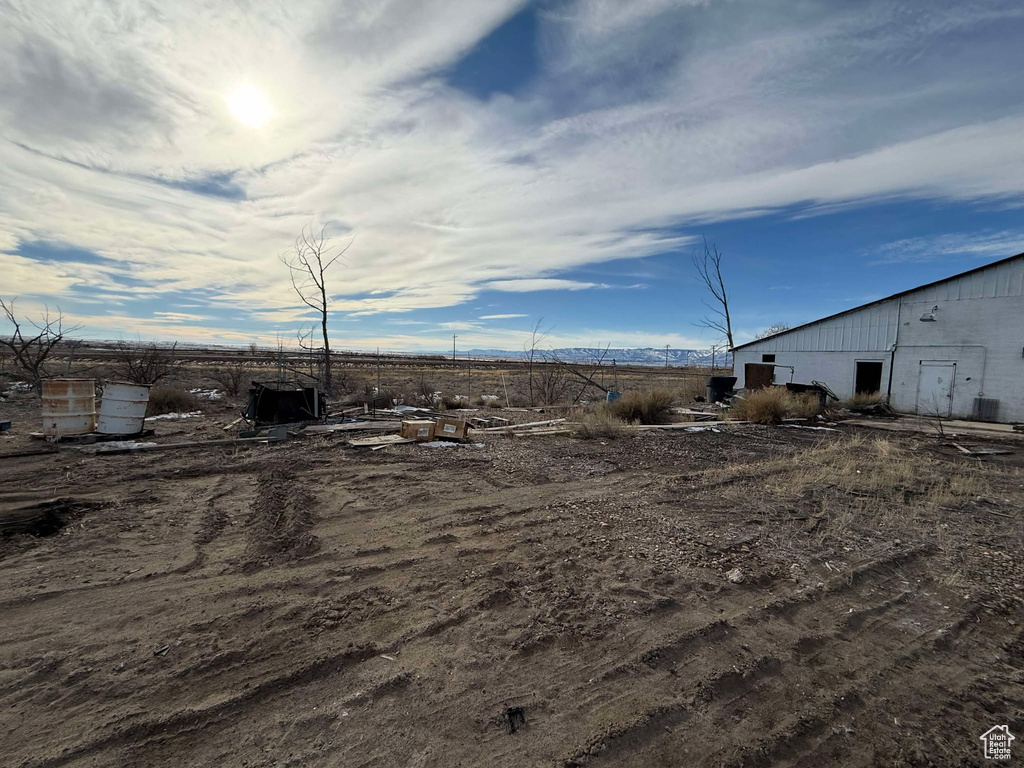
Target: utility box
450, 429
421, 431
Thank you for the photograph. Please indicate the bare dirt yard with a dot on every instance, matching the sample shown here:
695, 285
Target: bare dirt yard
536, 602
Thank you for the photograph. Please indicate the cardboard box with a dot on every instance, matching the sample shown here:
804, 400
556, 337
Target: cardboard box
421, 431
450, 429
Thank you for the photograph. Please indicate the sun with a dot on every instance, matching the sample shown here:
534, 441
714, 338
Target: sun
250, 106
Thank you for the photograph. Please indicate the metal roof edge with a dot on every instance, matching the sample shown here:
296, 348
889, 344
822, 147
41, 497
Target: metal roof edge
879, 301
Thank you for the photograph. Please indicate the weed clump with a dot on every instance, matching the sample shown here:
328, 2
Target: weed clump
773, 404
653, 406
170, 400
599, 424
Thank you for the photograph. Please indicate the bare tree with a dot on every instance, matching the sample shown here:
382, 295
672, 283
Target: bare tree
709, 268
771, 330
553, 383
308, 261
537, 336
31, 343
231, 376
141, 364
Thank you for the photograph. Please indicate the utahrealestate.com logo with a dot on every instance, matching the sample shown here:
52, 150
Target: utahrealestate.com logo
997, 742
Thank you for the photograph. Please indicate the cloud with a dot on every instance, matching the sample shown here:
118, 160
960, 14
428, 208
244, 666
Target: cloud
526, 285
178, 317
980, 245
500, 317
646, 122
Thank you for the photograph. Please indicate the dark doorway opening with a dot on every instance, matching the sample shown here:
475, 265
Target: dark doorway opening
869, 378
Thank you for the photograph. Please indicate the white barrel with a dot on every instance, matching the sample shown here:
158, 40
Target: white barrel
69, 406
123, 408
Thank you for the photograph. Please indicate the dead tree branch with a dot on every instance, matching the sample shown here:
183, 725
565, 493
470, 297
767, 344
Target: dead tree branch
31, 343
709, 268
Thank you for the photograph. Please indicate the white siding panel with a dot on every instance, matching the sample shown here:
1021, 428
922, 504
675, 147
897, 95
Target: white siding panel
873, 328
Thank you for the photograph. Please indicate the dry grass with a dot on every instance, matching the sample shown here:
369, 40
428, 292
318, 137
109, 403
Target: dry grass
868, 486
773, 404
170, 400
653, 406
600, 423
451, 402
863, 399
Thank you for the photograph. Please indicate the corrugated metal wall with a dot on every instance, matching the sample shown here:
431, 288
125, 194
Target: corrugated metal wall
870, 329
999, 281
873, 328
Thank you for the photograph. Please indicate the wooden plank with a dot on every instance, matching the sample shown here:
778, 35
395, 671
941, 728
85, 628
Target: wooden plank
528, 425
383, 440
99, 450
533, 432
353, 426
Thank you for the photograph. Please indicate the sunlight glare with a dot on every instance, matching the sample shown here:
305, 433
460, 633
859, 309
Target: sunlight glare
250, 106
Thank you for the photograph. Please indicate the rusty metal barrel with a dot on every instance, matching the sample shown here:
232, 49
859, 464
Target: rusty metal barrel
123, 408
69, 406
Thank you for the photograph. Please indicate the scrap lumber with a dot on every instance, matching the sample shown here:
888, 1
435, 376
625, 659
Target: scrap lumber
36, 452
380, 442
512, 427
689, 425
980, 451
353, 426
532, 432
140, 447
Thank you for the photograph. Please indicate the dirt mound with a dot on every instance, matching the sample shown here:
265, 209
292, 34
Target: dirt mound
282, 515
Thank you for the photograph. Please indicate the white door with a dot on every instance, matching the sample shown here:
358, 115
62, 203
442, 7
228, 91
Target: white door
935, 389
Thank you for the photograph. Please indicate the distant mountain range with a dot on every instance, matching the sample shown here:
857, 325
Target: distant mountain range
637, 356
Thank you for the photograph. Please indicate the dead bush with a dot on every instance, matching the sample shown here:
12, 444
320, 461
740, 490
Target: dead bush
773, 404
806, 405
863, 400
346, 380
170, 400
427, 390
653, 406
764, 406
451, 402
232, 377
139, 364
601, 423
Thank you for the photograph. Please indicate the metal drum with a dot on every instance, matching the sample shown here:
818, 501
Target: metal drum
123, 408
69, 406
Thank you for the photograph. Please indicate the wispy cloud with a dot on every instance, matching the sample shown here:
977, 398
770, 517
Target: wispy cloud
525, 285
981, 245
178, 317
501, 317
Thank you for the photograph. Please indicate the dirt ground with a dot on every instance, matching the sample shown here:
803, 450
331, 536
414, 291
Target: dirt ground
536, 602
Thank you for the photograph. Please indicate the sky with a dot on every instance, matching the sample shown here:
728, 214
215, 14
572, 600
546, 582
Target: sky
492, 165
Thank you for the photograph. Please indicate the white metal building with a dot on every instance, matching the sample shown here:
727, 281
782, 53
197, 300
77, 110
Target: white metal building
954, 347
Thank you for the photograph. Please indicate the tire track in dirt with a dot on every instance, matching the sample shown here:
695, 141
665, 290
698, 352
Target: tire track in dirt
684, 668
201, 717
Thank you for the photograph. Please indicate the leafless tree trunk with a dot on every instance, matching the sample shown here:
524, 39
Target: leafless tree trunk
308, 261
530, 349
30, 352
709, 269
